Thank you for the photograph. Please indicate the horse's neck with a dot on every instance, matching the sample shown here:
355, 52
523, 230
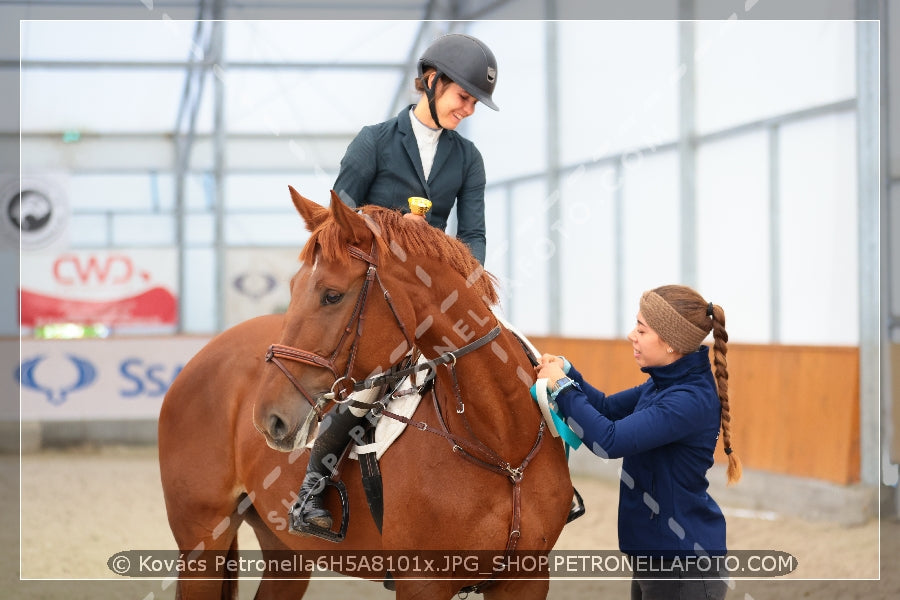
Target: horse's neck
490, 388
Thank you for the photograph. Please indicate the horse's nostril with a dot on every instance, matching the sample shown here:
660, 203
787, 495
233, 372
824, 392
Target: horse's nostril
277, 427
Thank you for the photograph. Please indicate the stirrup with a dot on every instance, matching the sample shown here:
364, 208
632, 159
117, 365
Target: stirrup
577, 508
301, 526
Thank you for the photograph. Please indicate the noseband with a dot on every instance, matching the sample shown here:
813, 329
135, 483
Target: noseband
344, 384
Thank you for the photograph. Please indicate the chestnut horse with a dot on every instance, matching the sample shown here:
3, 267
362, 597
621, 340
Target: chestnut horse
476, 472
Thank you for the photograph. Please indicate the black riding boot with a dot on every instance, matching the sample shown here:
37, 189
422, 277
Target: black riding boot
335, 431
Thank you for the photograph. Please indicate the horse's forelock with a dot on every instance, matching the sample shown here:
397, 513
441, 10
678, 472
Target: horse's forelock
412, 238
328, 241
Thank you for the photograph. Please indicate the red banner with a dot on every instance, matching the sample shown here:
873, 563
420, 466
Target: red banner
119, 289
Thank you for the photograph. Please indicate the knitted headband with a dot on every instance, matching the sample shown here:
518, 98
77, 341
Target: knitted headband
672, 328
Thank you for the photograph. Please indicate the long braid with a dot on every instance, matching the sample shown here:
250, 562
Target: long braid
690, 305
720, 349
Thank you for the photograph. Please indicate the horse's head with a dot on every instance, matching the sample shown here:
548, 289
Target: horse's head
371, 286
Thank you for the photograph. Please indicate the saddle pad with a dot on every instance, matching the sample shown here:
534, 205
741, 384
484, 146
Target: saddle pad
387, 430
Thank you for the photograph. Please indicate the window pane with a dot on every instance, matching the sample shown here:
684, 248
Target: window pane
733, 233
652, 228
749, 70
588, 254
512, 140
143, 230
617, 87
819, 239
285, 229
88, 231
524, 290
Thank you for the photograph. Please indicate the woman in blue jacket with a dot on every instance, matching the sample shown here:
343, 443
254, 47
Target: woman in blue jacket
418, 153
666, 431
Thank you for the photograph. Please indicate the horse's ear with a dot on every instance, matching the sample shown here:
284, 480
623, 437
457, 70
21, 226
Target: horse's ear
352, 223
313, 213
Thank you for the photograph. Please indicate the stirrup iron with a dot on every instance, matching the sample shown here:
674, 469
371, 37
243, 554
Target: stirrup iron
302, 527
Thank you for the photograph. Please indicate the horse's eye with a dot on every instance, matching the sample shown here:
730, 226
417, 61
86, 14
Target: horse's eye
331, 297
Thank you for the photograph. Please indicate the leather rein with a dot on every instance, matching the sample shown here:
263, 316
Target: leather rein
469, 448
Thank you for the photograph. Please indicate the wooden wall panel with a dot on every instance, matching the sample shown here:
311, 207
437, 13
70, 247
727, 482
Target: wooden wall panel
795, 409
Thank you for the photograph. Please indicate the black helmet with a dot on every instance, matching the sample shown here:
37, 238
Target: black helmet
466, 61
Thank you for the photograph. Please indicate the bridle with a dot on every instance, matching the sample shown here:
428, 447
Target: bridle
344, 384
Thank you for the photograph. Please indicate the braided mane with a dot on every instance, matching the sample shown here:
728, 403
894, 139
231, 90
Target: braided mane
400, 239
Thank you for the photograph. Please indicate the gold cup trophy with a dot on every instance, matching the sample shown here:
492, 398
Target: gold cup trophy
419, 206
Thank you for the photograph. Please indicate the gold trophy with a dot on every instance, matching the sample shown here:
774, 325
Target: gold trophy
419, 206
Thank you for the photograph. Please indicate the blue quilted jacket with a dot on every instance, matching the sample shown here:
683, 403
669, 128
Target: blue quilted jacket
665, 430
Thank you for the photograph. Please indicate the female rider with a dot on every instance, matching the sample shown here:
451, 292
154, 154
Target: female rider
418, 153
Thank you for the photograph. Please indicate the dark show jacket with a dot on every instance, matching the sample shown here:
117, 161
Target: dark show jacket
382, 166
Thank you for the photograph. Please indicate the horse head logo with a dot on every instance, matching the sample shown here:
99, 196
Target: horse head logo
56, 395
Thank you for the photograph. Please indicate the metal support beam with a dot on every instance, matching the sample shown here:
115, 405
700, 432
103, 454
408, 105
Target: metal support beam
867, 85
554, 194
687, 149
775, 256
163, 65
183, 135
619, 252
216, 51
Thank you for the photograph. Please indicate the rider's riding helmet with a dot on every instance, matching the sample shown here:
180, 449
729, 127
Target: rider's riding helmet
467, 61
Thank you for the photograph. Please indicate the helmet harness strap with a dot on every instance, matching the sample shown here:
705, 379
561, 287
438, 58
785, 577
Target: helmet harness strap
429, 93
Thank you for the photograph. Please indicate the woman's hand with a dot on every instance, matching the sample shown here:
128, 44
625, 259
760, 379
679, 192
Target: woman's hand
414, 217
550, 368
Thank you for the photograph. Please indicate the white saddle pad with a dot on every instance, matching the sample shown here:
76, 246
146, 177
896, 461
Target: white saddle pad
387, 429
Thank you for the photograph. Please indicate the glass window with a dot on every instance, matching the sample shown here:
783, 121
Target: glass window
734, 234
618, 87
136, 40
273, 229
269, 192
199, 295
89, 231
309, 101
651, 228
320, 41
588, 255
750, 70
524, 288
513, 139
100, 100
819, 239
143, 230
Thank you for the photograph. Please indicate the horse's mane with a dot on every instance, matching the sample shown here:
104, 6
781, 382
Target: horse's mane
402, 238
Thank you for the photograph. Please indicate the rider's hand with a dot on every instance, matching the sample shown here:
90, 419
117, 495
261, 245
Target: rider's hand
414, 217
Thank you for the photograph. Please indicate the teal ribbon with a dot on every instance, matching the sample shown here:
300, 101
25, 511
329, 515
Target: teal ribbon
565, 432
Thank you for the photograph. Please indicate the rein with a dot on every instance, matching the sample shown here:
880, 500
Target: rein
392, 377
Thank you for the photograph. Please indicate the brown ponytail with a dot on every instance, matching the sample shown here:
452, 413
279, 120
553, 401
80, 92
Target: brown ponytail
705, 316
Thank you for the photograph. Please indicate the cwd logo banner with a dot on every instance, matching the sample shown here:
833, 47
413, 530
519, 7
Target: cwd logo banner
121, 289
99, 379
